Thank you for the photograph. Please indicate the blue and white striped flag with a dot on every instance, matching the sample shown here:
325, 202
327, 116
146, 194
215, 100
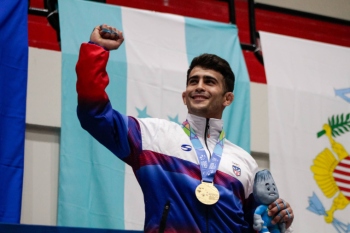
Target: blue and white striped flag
147, 77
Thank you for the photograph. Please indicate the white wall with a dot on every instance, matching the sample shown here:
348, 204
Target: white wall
44, 88
43, 118
39, 202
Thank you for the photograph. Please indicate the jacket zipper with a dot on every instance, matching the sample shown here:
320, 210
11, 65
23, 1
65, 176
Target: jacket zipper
164, 218
207, 135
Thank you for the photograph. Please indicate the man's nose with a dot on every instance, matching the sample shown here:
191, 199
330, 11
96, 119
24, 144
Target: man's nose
200, 85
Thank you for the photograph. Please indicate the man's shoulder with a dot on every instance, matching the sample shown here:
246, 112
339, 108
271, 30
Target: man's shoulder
153, 120
239, 152
236, 148
158, 124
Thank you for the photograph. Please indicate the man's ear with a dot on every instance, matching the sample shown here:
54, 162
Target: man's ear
184, 97
228, 98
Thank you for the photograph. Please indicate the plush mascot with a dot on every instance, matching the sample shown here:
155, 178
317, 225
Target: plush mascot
265, 192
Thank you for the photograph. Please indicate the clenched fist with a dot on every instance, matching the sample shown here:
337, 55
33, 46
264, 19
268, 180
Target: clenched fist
107, 37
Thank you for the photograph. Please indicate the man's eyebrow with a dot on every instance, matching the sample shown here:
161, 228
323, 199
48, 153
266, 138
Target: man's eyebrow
210, 78
204, 76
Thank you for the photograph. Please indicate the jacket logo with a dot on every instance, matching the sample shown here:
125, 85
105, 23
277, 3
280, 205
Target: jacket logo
236, 169
186, 147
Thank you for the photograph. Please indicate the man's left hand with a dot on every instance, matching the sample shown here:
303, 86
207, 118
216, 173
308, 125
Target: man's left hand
282, 212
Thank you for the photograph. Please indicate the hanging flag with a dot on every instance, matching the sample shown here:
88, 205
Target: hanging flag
309, 129
13, 91
147, 77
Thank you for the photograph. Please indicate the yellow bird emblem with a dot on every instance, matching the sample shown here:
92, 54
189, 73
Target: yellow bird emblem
332, 173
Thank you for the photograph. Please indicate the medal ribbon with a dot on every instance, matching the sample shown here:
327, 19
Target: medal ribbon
208, 168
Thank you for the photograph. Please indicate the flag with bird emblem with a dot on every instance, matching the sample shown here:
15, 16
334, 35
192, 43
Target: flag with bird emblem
308, 85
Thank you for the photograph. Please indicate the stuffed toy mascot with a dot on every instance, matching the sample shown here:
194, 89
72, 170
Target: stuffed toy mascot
265, 192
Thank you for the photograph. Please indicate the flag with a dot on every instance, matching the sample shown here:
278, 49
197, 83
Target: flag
147, 77
13, 90
309, 129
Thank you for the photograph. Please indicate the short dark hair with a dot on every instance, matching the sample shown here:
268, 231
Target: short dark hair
214, 62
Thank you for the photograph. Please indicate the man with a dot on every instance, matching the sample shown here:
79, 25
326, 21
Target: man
185, 171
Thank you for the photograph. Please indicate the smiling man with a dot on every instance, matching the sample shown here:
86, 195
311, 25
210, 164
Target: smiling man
208, 92
206, 181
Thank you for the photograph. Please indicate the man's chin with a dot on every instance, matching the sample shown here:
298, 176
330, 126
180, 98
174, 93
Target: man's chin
199, 111
198, 107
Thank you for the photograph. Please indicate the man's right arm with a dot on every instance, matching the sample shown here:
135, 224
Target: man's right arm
91, 65
92, 78
94, 109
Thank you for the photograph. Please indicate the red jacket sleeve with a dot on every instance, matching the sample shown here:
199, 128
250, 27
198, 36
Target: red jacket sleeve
92, 75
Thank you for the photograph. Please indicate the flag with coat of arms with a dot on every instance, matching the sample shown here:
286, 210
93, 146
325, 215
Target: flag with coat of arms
309, 129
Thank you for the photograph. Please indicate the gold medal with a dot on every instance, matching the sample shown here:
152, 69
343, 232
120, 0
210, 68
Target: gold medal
207, 193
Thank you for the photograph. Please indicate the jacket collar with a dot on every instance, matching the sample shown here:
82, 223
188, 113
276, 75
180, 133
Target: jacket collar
199, 124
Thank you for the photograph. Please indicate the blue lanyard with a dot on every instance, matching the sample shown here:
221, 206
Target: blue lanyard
208, 168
